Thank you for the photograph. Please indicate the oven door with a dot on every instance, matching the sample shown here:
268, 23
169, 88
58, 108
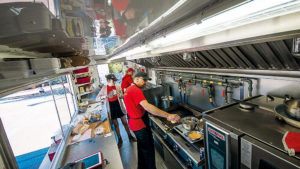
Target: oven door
170, 158
217, 146
257, 155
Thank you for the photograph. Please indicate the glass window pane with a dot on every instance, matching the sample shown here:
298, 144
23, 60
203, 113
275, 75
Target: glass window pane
60, 98
30, 120
70, 95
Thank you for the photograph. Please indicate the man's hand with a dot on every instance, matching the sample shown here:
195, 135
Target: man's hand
174, 118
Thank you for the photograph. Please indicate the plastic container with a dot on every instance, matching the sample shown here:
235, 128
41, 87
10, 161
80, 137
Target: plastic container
24, 17
84, 80
45, 64
14, 69
83, 70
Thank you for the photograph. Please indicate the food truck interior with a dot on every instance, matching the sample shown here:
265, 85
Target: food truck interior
229, 68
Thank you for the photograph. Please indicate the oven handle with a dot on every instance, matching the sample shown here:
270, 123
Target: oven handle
170, 151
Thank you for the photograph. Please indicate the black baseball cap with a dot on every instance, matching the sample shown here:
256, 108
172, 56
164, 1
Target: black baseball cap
142, 75
111, 77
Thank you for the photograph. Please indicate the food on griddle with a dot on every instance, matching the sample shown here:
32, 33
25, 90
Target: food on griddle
194, 135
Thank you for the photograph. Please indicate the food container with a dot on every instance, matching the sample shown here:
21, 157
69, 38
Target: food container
167, 101
84, 80
83, 70
189, 123
44, 65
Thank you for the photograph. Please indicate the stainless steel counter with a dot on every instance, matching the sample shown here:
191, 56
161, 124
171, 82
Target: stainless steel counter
259, 123
107, 145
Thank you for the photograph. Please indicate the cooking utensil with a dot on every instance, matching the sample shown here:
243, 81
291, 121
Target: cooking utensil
281, 113
293, 108
189, 123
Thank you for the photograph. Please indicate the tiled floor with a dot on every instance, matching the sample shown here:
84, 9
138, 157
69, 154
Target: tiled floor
128, 153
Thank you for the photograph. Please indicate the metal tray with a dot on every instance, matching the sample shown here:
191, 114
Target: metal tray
182, 131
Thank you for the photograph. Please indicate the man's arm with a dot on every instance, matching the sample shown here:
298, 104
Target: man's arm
156, 111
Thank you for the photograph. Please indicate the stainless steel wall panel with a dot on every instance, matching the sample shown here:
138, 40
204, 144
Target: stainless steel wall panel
261, 86
279, 88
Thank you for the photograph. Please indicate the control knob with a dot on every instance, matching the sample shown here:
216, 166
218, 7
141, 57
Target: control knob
175, 148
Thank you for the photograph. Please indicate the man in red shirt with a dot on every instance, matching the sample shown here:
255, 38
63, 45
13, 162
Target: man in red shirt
127, 79
137, 105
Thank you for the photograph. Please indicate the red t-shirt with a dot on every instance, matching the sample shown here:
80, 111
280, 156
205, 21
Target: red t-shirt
112, 93
126, 82
120, 28
132, 98
120, 5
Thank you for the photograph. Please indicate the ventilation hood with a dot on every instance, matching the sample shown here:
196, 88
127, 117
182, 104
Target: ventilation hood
273, 25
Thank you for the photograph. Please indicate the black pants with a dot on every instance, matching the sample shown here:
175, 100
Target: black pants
145, 146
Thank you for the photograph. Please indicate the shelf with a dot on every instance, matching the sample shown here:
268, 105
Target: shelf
85, 93
78, 85
80, 73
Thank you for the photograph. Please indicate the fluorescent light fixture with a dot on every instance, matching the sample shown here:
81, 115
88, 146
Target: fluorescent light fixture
252, 11
135, 51
168, 12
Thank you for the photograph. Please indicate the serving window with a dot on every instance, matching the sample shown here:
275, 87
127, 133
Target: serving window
36, 117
